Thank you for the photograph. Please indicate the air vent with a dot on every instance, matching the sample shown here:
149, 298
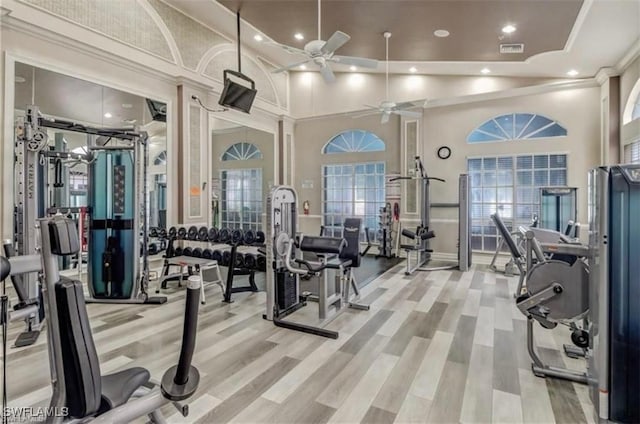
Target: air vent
511, 48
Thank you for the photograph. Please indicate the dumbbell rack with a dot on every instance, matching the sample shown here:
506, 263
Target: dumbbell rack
233, 260
386, 232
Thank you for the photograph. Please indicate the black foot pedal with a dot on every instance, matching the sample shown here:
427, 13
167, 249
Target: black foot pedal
27, 338
156, 300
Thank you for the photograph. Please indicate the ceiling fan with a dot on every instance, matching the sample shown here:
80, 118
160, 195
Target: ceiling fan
388, 107
322, 52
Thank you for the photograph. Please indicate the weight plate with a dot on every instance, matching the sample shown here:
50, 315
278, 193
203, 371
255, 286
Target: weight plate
182, 233
213, 234
249, 237
193, 233
237, 235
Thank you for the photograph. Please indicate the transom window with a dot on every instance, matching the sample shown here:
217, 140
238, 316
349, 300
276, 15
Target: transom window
161, 159
242, 151
509, 185
354, 141
516, 126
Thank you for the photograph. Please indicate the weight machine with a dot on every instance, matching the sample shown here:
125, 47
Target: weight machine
117, 179
283, 277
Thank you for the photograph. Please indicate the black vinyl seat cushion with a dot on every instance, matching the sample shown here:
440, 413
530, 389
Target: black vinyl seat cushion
87, 392
118, 387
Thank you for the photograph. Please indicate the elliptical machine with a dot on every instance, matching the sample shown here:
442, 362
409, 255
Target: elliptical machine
80, 392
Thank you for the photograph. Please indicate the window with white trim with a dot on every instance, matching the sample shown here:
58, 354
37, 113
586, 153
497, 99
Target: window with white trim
509, 185
632, 152
242, 151
516, 126
354, 141
241, 198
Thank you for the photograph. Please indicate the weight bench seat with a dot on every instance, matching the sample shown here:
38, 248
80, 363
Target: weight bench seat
88, 393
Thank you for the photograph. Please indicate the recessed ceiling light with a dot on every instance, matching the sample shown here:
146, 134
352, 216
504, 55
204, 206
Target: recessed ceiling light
572, 73
298, 36
127, 105
258, 37
353, 68
441, 33
107, 115
413, 70
20, 79
485, 71
508, 29
303, 67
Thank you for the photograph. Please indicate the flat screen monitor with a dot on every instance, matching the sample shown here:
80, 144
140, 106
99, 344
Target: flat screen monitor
158, 110
237, 96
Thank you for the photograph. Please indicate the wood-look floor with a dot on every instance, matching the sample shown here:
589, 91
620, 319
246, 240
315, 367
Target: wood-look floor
440, 346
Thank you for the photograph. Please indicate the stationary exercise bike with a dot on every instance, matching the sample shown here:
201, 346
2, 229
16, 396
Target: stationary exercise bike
80, 392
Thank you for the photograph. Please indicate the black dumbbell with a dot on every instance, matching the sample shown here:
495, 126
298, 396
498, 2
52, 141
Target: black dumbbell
187, 251
224, 235
197, 252
153, 232
152, 249
239, 263
177, 251
192, 234
226, 258
237, 235
261, 262
173, 232
217, 256
182, 233
207, 254
250, 261
249, 237
162, 233
213, 234
260, 238
203, 234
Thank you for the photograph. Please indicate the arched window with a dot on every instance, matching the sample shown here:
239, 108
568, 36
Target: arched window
242, 151
636, 109
354, 141
161, 159
516, 126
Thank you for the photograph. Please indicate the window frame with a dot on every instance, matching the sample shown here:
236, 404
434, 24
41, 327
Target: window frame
521, 136
233, 224
334, 138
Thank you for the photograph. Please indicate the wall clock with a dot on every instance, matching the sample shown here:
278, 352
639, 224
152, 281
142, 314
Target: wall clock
444, 152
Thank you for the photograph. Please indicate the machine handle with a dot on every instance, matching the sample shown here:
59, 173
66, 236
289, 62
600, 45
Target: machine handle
311, 267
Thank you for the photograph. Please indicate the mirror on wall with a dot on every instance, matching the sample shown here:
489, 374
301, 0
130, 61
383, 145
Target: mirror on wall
65, 183
242, 171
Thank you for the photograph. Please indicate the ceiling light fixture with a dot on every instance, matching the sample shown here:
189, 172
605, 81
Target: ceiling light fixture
485, 71
108, 115
303, 67
413, 70
508, 29
441, 33
353, 68
258, 37
298, 36
127, 105
572, 73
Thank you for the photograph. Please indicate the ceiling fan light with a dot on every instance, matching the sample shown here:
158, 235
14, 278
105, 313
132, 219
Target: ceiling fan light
413, 69
258, 37
298, 36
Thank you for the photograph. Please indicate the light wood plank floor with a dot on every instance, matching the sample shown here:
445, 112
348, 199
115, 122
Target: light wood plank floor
440, 346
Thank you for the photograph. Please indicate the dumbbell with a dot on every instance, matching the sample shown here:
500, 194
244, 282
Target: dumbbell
203, 234
239, 263
237, 235
261, 263
213, 234
187, 251
207, 254
177, 251
192, 234
260, 238
162, 233
173, 232
152, 249
224, 235
217, 256
197, 252
153, 232
226, 258
249, 237
182, 233
250, 261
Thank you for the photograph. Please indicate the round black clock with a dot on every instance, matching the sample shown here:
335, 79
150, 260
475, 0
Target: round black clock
444, 152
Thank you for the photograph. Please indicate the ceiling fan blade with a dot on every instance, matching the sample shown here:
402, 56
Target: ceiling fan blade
372, 107
291, 66
327, 74
407, 113
362, 115
407, 105
355, 61
385, 118
336, 41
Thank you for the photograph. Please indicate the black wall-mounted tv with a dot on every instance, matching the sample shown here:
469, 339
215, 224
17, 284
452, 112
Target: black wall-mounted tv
158, 110
237, 96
